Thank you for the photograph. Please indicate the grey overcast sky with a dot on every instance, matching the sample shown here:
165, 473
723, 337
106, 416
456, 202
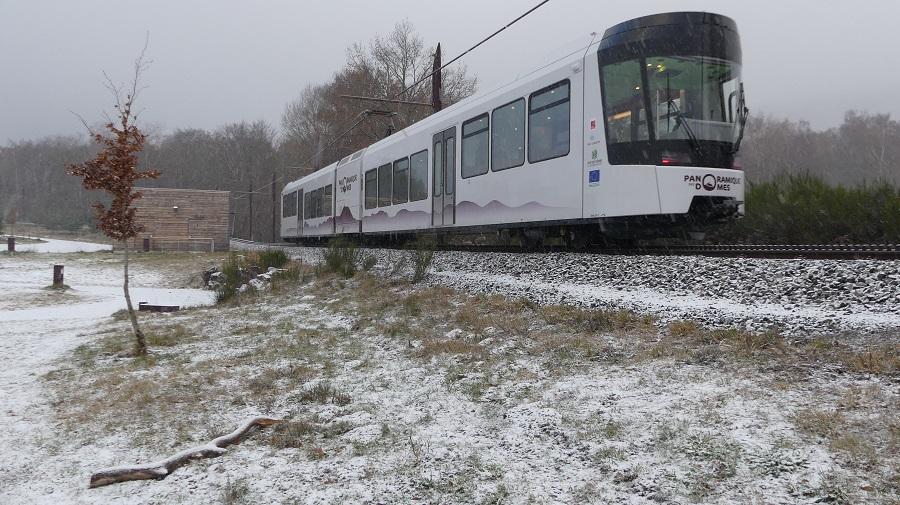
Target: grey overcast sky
220, 61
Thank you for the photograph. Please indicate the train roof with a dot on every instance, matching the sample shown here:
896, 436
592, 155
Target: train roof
562, 56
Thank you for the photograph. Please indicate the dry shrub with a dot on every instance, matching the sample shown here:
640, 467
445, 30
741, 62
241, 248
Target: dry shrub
322, 392
341, 257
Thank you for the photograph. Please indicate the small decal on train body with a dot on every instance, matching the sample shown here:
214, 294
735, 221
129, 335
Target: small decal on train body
594, 178
593, 124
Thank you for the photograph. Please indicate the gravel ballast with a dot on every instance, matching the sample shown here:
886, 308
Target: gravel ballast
798, 297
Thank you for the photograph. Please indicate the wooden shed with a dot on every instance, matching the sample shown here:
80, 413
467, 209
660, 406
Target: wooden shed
182, 220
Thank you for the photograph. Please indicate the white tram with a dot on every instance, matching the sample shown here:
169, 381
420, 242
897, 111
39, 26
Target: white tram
636, 132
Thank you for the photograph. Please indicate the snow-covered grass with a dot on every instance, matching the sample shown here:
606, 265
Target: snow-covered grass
40, 326
398, 393
49, 245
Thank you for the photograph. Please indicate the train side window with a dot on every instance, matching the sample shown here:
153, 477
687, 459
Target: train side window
623, 101
384, 185
327, 200
548, 123
318, 202
307, 207
508, 136
438, 165
289, 205
372, 188
475, 134
401, 181
418, 176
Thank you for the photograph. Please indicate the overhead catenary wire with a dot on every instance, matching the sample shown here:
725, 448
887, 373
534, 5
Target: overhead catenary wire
364, 114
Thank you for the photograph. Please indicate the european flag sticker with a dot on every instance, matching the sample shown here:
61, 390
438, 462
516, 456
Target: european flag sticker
594, 177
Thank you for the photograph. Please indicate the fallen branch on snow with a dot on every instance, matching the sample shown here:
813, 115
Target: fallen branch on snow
161, 469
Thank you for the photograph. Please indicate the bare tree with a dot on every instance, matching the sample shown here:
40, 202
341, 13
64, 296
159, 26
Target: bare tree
385, 67
114, 170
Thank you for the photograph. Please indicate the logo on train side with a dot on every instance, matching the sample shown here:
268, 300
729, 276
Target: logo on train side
346, 183
710, 182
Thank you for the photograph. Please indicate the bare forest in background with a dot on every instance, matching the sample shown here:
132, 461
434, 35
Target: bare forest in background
246, 157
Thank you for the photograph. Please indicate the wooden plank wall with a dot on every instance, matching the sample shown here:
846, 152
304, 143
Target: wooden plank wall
199, 214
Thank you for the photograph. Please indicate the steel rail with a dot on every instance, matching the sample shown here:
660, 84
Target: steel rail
775, 251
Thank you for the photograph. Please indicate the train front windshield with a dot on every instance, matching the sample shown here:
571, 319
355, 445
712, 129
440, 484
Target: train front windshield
695, 109
672, 90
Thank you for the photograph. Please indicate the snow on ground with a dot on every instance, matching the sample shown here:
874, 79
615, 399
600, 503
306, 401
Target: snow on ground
415, 394
39, 326
51, 245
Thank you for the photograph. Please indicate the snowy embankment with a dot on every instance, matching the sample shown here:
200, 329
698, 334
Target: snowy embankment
39, 326
800, 298
398, 393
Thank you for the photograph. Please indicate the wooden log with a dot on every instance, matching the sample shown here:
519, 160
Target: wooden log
161, 469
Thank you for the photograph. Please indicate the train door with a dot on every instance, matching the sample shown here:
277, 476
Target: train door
443, 203
300, 210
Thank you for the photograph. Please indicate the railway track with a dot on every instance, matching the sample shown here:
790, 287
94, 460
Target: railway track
807, 251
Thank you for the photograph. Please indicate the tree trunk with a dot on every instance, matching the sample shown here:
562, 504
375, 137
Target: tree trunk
140, 347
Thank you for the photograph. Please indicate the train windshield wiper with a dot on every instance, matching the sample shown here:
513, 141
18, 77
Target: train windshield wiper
681, 121
743, 113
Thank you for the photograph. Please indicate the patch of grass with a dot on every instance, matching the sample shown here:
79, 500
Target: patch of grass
292, 434
235, 492
369, 262
292, 274
251, 329
423, 258
835, 488
276, 258
460, 347
595, 320
564, 349
323, 392
820, 423
856, 449
167, 337
341, 257
884, 360
687, 341
233, 275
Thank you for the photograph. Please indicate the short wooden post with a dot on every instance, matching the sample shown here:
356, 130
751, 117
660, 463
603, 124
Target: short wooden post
58, 276
11, 244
